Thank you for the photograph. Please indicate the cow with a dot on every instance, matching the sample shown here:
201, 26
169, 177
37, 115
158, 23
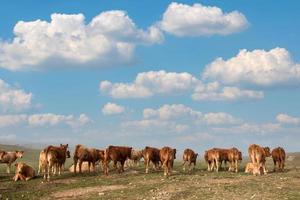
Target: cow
189, 156
55, 158
151, 154
234, 156
8, 157
90, 155
43, 162
23, 172
278, 155
136, 156
167, 156
223, 156
258, 155
212, 158
116, 154
254, 168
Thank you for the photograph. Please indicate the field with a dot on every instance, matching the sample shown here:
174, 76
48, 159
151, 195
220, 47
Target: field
135, 184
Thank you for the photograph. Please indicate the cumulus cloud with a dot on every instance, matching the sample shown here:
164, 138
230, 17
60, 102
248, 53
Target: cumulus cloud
147, 84
220, 118
259, 67
13, 99
68, 38
213, 91
198, 20
45, 119
287, 119
112, 109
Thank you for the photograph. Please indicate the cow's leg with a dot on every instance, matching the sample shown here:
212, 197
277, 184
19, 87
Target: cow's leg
190, 163
50, 165
89, 166
75, 164
80, 165
122, 165
274, 161
236, 166
183, 165
147, 165
165, 168
217, 165
8, 168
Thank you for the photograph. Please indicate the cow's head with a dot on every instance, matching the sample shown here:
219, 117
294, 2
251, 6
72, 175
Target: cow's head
267, 151
2, 153
19, 167
19, 154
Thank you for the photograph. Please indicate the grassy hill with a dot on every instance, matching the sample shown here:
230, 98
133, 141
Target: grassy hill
135, 184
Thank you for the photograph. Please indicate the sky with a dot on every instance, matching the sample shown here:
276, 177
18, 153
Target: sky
186, 74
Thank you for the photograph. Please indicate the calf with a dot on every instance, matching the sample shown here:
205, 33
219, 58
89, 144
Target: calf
8, 157
212, 158
55, 158
23, 172
234, 156
278, 155
90, 155
189, 156
151, 154
116, 154
258, 155
167, 156
254, 168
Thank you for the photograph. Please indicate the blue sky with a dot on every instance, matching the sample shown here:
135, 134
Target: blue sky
195, 86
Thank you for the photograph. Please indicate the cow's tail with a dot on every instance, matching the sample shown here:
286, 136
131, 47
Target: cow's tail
47, 152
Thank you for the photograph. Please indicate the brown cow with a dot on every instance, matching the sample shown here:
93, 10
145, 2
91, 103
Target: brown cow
2, 153
189, 156
223, 156
234, 156
258, 155
90, 155
212, 158
116, 154
278, 155
55, 158
23, 172
167, 156
8, 157
151, 154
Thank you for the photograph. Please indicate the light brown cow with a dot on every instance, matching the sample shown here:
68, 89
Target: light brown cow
212, 158
278, 155
8, 157
254, 168
258, 155
151, 154
55, 157
23, 172
136, 156
90, 155
234, 156
116, 154
167, 156
189, 156
43, 162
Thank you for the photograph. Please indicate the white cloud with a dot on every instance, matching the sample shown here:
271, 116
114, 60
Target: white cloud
257, 67
287, 119
147, 84
112, 109
197, 20
67, 38
13, 99
45, 119
214, 92
220, 118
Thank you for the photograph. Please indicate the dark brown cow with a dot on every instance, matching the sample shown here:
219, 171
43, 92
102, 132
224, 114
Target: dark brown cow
90, 155
55, 158
167, 156
278, 155
258, 155
151, 154
116, 154
189, 156
212, 158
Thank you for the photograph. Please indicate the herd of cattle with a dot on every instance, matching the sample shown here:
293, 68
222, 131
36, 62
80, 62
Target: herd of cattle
53, 158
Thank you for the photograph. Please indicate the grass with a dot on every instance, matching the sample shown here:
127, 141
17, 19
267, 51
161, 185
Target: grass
135, 184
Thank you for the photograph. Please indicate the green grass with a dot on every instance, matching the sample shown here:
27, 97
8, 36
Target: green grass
135, 184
